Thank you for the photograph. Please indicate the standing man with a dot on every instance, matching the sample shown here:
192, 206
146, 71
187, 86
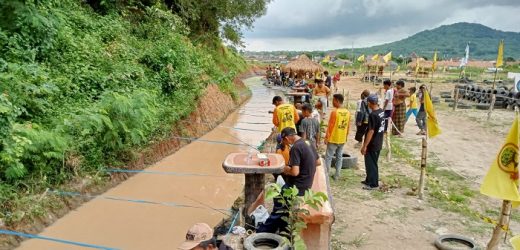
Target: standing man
299, 173
322, 92
399, 117
337, 131
284, 114
373, 143
388, 106
335, 80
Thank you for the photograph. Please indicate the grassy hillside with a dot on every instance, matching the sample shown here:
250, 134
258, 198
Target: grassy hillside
450, 41
81, 89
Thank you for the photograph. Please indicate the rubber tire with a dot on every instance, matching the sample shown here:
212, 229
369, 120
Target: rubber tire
448, 100
483, 106
457, 238
249, 241
349, 161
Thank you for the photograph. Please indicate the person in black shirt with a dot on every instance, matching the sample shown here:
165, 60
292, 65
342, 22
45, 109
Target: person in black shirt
373, 143
299, 173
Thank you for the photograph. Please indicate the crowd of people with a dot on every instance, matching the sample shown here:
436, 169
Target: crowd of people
300, 138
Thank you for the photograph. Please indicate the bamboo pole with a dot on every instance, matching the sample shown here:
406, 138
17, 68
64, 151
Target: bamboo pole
388, 144
455, 102
493, 97
503, 222
424, 156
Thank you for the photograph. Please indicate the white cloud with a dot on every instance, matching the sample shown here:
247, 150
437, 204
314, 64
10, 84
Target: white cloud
333, 24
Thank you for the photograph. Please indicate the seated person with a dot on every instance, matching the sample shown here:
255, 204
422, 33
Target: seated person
200, 237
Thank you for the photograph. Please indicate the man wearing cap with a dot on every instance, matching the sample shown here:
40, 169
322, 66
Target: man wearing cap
199, 237
373, 143
299, 173
284, 114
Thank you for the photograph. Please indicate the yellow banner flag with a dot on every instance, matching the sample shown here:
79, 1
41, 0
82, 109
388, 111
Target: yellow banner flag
500, 56
398, 68
434, 64
361, 58
416, 66
431, 122
326, 59
501, 181
515, 242
388, 57
375, 57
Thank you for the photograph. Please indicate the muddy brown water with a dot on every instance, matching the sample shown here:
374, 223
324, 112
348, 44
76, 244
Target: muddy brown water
132, 225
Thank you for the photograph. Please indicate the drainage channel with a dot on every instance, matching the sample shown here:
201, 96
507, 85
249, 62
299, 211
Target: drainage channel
154, 208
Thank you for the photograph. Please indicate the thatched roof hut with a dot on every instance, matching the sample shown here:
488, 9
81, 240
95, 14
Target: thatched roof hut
303, 64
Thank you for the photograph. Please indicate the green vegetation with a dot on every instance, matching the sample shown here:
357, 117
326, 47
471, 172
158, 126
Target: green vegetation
292, 205
84, 84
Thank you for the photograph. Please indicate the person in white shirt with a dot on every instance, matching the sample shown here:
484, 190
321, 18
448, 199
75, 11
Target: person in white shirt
388, 105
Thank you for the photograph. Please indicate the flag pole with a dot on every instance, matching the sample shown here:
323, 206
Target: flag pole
493, 96
503, 222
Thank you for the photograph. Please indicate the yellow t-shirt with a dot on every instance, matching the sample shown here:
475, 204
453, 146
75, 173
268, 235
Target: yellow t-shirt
413, 101
339, 124
285, 115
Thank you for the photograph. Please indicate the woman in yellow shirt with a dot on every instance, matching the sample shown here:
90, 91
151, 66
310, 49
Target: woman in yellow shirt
412, 105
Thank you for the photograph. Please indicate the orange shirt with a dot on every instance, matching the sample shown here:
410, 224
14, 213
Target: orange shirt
323, 91
285, 154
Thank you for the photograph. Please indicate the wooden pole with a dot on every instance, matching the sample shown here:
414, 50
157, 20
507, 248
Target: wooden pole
503, 222
493, 97
424, 156
388, 144
456, 101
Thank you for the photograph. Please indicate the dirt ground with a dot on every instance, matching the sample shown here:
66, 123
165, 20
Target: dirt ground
396, 218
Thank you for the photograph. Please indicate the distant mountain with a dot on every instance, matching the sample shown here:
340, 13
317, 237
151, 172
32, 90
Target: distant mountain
450, 41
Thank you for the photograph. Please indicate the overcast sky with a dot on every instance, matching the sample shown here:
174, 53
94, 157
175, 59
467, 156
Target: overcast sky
334, 24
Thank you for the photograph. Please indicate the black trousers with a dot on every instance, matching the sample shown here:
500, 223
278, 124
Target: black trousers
361, 131
372, 169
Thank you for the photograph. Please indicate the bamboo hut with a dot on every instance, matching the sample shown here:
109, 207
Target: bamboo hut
374, 68
425, 67
303, 65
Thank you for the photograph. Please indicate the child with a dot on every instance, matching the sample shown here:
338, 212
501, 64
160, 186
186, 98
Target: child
412, 105
310, 127
362, 113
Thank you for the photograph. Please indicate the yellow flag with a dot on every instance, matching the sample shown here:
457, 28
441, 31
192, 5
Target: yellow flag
375, 57
361, 58
326, 59
417, 67
398, 68
515, 242
432, 124
500, 56
343, 68
434, 64
501, 181
388, 57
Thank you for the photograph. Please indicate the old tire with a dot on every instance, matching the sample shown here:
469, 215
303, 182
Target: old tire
265, 241
349, 161
483, 106
440, 243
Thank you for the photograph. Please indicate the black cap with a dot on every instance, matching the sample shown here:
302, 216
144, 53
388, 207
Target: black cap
277, 99
288, 131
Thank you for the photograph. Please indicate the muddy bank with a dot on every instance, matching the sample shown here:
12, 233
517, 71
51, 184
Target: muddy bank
213, 107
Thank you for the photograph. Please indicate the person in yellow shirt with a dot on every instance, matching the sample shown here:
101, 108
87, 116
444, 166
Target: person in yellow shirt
337, 132
284, 114
412, 105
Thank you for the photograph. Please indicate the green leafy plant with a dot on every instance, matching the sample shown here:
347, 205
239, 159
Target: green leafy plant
293, 206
